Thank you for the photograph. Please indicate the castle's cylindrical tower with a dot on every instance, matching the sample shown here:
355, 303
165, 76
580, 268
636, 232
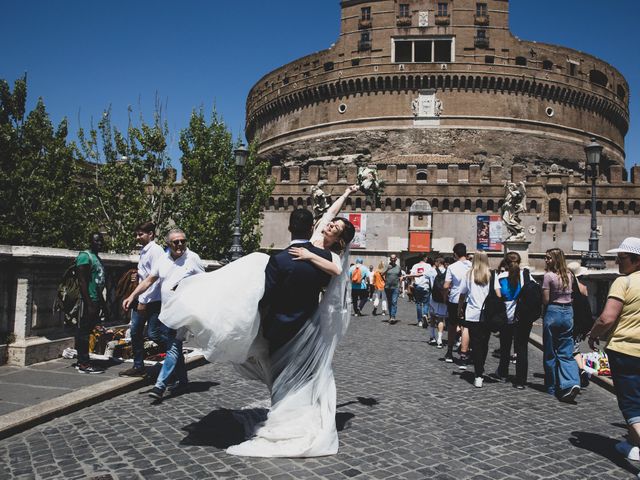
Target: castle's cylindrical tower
445, 80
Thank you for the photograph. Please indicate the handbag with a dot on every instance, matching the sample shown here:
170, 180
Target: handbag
494, 311
582, 315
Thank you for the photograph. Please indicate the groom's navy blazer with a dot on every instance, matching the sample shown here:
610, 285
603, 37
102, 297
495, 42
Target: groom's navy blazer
292, 289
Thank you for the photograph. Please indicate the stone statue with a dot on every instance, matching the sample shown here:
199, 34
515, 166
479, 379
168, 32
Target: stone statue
321, 201
514, 204
438, 107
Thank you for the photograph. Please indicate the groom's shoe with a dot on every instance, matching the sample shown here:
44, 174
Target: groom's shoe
156, 393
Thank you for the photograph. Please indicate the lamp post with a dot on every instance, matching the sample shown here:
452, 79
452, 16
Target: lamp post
240, 154
592, 259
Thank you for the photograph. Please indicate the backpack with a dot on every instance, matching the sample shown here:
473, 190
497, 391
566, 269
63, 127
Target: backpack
494, 311
356, 275
437, 289
582, 315
529, 303
68, 297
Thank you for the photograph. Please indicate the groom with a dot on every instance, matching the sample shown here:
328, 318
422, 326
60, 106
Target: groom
292, 287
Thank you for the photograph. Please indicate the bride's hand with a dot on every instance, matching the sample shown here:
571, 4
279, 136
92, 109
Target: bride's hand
299, 253
351, 189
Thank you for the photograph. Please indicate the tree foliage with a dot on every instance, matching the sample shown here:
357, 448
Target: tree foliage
206, 200
40, 199
132, 179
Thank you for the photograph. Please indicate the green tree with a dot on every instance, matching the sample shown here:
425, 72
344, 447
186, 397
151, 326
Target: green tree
40, 199
132, 179
206, 206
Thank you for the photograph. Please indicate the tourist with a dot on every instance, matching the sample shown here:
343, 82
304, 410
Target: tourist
379, 296
393, 276
560, 369
360, 279
421, 276
438, 303
454, 276
619, 322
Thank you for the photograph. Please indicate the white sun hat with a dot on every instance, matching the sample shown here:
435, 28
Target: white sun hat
577, 269
629, 245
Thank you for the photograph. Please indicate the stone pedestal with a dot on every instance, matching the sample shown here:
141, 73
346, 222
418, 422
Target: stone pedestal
519, 246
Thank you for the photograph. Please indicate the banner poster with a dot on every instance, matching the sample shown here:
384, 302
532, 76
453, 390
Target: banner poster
359, 221
489, 233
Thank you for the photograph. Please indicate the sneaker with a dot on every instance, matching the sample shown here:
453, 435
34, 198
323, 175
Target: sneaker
133, 372
440, 345
88, 368
392, 321
432, 341
518, 386
630, 452
384, 314
499, 377
584, 379
569, 395
420, 323
448, 358
478, 382
156, 393
513, 359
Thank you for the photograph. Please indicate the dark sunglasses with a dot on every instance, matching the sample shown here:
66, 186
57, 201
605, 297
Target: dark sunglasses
177, 243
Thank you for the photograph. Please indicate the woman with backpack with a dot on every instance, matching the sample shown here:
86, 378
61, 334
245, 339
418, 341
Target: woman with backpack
509, 286
561, 376
475, 288
438, 302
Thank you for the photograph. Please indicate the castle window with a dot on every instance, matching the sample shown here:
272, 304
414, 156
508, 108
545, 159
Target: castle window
554, 210
599, 78
522, 61
481, 10
443, 9
366, 13
489, 59
573, 68
421, 176
547, 65
423, 51
404, 10
365, 41
622, 94
328, 66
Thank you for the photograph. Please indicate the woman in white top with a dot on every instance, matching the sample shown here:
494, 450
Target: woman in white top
475, 287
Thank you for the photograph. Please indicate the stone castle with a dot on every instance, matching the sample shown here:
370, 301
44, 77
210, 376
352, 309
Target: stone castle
448, 104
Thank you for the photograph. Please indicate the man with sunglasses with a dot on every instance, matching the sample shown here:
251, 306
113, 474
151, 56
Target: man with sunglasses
179, 263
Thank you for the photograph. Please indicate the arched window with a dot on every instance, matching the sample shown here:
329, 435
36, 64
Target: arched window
408, 203
387, 204
445, 205
610, 206
490, 205
422, 176
599, 206
456, 205
280, 202
554, 210
522, 61
358, 203
533, 206
632, 207
289, 202
435, 204
398, 204
272, 202
467, 205
300, 202
620, 207
478, 205
576, 207
599, 78
622, 93
547, 64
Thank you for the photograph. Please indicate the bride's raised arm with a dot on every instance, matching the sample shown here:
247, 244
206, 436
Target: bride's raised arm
336, 206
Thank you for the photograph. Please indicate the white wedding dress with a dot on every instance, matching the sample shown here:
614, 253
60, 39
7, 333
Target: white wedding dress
220, 309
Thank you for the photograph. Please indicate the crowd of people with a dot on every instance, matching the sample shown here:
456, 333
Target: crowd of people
474, 302
459, 294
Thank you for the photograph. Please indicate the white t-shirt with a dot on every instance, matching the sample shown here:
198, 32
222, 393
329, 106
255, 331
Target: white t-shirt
170, 271
476, 295
423, 270
150, 255
455, 274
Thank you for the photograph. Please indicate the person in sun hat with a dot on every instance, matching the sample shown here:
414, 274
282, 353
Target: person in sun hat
619, 322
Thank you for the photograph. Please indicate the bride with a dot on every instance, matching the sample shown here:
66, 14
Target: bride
221, 310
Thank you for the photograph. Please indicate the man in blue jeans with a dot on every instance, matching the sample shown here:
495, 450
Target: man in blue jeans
148, 308
174, 267
421, 274
392, 278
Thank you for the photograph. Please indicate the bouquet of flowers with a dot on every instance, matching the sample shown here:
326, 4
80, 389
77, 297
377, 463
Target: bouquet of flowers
370, 184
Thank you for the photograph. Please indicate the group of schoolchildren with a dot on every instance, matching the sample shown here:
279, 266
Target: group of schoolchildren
464, 295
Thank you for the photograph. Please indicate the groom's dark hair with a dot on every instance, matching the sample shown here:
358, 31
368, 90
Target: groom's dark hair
301, 223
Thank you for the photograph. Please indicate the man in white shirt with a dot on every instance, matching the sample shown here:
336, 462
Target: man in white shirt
453, 279
177, 265
421, 274
148, 308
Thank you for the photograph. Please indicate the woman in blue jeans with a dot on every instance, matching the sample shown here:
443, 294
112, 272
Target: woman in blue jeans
561, 376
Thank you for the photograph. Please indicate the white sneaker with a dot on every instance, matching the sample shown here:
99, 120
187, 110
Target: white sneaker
629, 451
420, 323
478, 382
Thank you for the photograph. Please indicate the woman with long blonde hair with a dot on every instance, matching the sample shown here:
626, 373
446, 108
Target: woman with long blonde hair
561, 376
475, 287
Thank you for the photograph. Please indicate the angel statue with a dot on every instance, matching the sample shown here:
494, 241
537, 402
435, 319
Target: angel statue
370, 184
321, 200
513, 206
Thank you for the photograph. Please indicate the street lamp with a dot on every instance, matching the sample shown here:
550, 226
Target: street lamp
240, 154
592, 259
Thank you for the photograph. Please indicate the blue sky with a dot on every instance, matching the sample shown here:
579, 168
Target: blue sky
84, 56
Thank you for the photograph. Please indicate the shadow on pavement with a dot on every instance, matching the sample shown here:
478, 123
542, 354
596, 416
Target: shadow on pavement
603, 446
222, 428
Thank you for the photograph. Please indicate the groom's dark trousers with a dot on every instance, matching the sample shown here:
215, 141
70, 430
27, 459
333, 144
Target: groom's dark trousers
292, 289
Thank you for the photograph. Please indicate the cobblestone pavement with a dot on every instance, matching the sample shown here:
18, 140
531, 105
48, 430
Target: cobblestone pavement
403, 414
